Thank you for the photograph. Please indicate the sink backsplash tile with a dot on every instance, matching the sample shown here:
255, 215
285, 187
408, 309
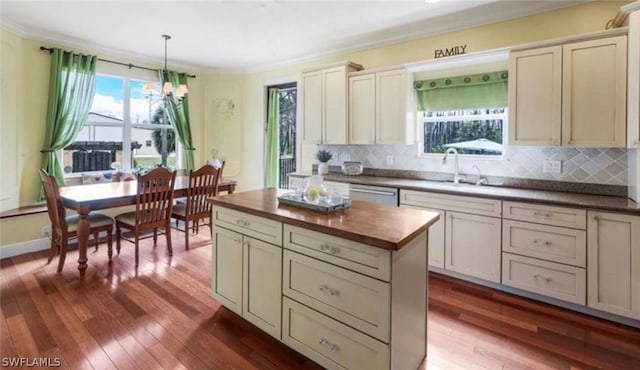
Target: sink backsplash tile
584, 165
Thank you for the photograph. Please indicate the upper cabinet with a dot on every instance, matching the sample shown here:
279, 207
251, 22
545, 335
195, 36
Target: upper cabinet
535, 94
378, 107
570, 95
325, 102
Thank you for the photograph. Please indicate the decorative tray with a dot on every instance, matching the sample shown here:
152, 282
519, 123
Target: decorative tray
323, 205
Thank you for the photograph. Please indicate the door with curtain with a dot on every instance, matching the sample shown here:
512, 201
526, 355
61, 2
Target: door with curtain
280, 134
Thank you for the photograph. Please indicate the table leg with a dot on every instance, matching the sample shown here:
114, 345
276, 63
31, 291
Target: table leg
83, 238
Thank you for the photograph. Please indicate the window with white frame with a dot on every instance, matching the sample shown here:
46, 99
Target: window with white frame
470, 131
466, 112
122, 121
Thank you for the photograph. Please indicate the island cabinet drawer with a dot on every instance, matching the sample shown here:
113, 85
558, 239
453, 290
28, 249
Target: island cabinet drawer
359, 301
543, 214
555, 244
555, 280
362, 258
478, 206
328, 342
258, 227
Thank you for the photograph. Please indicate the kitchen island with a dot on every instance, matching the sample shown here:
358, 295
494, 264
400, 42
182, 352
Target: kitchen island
346, 289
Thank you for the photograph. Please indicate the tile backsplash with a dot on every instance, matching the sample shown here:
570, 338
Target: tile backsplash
582, 165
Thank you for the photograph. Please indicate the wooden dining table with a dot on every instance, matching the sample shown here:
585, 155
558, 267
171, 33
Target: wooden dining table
86, 198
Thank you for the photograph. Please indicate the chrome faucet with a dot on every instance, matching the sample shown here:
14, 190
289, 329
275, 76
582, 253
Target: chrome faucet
481, 180
456, 176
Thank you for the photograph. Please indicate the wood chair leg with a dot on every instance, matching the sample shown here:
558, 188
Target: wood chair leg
167, 234
96, 239
186, 238
136, 243
155, 236
118, 237
109, 245
63, 254
53, 250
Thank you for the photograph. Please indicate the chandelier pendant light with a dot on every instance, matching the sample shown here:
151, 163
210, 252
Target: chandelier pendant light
167, 86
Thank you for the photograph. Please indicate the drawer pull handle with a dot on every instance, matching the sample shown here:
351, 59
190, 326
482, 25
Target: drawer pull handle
332, 347
542, 242
542, 214
329, 249
325, 289
542, 278
243, 222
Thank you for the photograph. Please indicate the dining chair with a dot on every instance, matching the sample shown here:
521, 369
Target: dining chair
203, 185
65, 227
154, 204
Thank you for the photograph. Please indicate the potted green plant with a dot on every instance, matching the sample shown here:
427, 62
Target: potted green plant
323, 156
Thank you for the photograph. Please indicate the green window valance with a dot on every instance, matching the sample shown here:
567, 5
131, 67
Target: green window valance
484, 90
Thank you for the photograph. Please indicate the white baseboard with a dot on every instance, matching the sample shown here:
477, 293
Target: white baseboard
24, 247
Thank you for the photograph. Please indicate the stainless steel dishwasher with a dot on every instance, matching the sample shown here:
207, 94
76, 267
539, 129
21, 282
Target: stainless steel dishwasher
374, 194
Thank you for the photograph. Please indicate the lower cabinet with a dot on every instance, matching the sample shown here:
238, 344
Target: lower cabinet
472, 245
467, 237
613, 268
556, 280
544, 250
347, 305
341, 303
247, 272
329, 342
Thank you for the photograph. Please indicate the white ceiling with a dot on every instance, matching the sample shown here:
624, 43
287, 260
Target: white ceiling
243, 36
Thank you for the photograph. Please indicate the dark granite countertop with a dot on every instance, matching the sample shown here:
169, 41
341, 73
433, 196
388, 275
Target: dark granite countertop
602, 202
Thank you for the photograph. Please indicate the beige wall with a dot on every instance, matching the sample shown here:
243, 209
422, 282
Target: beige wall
237, 134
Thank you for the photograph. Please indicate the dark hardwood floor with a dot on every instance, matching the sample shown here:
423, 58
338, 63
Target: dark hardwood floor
162, 316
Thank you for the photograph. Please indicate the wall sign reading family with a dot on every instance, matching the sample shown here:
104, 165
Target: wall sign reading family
454, 50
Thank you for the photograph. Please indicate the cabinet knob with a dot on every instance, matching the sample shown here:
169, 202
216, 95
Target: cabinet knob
542, 242
329, 249
542, 214
332, 347
542, 278
325, 289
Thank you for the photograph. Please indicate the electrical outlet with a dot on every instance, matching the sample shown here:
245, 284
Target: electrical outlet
552, 166
46, 231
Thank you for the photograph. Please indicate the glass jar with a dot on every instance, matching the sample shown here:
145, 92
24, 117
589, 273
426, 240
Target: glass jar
314, 189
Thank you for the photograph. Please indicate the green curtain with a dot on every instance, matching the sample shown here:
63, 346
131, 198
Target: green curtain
178, 113
484, 90
72, 86
271, 139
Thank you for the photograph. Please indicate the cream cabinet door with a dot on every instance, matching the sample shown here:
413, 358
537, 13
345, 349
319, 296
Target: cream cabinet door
362, 109
226, 284
334, 119
312, 107
472, 245
613, 263
391, 107
594, 93
262, 276
535, 93
436, 237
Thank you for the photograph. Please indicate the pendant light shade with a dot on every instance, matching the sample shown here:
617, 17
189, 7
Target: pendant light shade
167, 86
